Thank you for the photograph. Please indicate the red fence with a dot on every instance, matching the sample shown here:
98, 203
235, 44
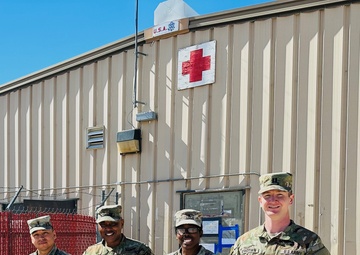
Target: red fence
74, 232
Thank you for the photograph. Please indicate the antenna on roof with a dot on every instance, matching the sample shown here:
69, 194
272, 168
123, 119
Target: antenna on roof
135, 102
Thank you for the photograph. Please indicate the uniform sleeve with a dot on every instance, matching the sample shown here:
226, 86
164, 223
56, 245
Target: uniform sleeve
147, 251
318, 248
234, 249
93, 250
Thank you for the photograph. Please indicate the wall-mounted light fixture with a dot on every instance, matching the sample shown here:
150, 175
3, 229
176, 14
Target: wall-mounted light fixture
129, 141
146, 116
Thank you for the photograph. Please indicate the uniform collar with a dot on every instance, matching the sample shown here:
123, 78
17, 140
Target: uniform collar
265, 237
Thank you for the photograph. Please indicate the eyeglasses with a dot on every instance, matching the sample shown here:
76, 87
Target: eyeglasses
192, 230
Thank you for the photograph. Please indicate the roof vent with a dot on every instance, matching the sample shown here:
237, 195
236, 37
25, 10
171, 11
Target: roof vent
172, 10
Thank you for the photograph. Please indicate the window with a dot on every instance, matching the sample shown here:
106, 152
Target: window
223, 216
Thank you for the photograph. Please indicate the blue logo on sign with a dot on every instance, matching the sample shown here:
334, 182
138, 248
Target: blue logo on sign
171, 26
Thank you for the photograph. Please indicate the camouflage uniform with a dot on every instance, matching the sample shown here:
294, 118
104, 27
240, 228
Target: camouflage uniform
127, 246
294, 239
202, 251
54, 251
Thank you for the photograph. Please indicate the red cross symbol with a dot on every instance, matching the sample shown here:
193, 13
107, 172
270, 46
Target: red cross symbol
196, 65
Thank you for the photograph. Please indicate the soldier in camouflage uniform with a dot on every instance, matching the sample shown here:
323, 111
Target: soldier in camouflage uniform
43, 236
279, 234
114, 241
188, 229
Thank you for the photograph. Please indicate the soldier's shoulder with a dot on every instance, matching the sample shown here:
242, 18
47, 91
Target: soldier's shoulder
252, 233
204, 251
307, 238
60, 252
207, 252
132, 245
94, 249
300, 232
249, 237
133, 242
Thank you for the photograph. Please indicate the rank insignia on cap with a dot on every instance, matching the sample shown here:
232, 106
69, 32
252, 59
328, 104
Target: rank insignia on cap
275, 181
40, 223
188, 216
109, 213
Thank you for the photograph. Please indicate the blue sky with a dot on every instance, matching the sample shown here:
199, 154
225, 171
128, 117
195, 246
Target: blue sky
36, 34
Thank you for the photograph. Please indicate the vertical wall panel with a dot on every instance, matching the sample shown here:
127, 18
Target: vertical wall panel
87, 116
307, 123
25, 138
14, 137
200, 125
4, 150
51, 160
111, 129
352, 199
101, 116
121, 87
218, 110
62, 129
131, 165
283, 93
261, 96
3, 138
331, 123
239, 104
165, 144
147, 90
75, 134
183, 142
36, 112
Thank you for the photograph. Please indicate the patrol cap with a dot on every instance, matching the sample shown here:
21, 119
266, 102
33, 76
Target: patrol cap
40, 223
275, 181
188, 216
109, 213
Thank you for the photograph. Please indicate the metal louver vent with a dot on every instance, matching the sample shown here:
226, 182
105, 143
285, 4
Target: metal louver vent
95, 138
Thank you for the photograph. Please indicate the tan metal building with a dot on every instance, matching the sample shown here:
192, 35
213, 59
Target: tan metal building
285, 98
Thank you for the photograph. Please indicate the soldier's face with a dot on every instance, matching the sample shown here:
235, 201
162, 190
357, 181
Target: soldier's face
43, 240
275, 203
188, 239
111, 232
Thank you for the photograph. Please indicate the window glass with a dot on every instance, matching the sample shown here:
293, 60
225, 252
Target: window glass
223, 216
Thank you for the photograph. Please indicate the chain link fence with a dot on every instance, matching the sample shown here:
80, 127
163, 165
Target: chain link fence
74, 232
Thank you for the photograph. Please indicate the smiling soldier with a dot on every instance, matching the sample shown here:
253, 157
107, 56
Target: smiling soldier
279, 234
188, 229
114, 241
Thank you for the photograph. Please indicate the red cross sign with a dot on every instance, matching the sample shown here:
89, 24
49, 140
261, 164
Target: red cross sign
196, 65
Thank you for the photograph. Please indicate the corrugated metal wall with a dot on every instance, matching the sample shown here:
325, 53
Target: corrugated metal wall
286, 98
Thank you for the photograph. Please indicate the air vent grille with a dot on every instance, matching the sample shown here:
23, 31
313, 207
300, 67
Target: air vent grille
95, 138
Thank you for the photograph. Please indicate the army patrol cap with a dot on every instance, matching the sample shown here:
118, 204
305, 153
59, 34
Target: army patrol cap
275, 181
40, 223
109, 213
188, 216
